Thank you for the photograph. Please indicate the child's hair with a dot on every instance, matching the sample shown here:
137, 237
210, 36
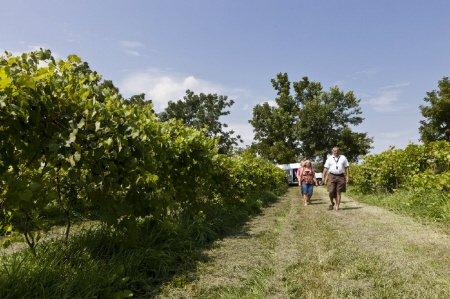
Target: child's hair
302, 162
307, 163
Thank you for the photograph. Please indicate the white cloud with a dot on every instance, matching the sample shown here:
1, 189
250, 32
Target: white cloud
396, 86
399, 139
388, 98
131, 44
392, 135
163, 87
131, 48
367, 72
386, 101
402, 135
245, 130
339, 83
132, 52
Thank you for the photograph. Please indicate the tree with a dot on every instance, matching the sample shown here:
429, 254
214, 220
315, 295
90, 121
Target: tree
354, 144
140, 101
274, 126
308, 123
203, 111
436, 125
325, 118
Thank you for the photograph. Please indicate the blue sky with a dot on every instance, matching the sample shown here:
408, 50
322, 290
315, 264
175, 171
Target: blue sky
389, 52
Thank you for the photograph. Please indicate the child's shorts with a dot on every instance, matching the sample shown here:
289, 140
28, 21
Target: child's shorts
307, 189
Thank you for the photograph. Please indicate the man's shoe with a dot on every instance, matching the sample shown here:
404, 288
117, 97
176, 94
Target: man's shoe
330, 207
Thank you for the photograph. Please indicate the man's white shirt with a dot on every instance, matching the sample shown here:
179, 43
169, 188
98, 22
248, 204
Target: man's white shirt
336, 165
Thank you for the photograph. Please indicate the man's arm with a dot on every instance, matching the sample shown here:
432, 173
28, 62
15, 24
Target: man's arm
347, 170
325, 175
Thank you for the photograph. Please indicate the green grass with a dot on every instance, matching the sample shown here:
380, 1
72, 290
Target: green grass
293, 251
7, 241
104, 263
288, 251
432, 206
238, 266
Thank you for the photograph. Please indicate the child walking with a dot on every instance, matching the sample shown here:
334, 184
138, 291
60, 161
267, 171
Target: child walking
306, 180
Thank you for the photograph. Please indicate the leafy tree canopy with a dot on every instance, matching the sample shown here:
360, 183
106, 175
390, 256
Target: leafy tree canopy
203, 111
436, 125
308, 122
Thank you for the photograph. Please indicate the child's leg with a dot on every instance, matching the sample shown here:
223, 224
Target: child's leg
310, 192
304, 193
301, 192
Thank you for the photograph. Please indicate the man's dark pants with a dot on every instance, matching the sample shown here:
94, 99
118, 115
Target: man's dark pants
336, 184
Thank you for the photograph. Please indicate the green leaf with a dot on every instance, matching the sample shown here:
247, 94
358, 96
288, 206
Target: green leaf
5, 81
72, 137
71, 160
53, 147
108, 141
25, 195
81, 123
123, 294
77, 156
73, 58
85, 95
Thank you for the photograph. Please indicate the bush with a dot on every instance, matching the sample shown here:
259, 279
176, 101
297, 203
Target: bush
404, 168
69, 141
72, 148
414, 180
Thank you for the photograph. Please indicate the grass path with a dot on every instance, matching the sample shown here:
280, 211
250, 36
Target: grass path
310, 252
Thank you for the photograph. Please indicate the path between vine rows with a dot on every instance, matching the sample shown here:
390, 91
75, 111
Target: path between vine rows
310, 252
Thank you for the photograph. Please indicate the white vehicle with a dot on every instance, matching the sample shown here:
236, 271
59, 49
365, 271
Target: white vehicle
319, 178
291, 172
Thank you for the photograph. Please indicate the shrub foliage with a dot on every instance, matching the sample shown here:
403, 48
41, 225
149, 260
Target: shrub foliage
415, 167
70, 143
414, 180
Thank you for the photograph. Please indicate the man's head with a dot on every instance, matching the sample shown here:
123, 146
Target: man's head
335, 151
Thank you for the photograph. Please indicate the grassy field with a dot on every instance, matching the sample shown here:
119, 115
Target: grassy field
287, 251
310, 252
427, 207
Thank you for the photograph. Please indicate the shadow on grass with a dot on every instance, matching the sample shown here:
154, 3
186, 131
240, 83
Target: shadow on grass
136, 260
350, 208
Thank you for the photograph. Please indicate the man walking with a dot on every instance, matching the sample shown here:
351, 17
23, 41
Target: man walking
335, 174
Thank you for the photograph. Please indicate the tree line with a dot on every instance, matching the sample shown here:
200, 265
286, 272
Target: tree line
305, 122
